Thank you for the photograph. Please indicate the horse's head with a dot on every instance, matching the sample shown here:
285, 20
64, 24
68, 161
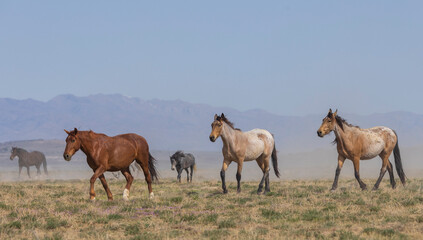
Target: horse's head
73, 144
328, 124
13, 153
172, 162
175, 159
216, 125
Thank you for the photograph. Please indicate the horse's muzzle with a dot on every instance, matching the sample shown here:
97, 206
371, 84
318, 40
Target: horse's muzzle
212, 138
319, 133
172, 168
67, 157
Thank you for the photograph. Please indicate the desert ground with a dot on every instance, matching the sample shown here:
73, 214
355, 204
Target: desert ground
299, 206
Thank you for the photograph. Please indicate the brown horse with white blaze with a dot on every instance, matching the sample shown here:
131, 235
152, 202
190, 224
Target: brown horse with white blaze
357, 144
116, 153
240, 147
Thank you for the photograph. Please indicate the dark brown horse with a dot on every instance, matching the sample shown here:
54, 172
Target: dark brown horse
27, 159
116, 153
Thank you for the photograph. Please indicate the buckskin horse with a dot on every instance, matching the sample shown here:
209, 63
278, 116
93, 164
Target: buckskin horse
116, 153
27, 159
240, 147
357, 144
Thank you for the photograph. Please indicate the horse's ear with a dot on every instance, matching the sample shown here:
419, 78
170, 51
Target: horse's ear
336, 112
215, 117
330, 110
67, 131
75, 131
222, 115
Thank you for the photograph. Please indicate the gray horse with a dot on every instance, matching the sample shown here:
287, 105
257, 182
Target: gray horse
182, 161
27, 159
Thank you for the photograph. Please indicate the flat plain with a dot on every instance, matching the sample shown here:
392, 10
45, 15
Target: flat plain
294, 209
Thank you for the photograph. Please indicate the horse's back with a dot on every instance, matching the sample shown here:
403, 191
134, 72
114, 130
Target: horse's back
376, 140
259, 141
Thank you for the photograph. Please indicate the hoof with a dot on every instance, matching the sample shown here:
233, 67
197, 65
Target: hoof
126, 194
332, 189
151, 195
225, 191
375, 188
92, 199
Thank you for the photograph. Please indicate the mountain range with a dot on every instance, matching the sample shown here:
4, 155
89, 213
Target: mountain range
172, 125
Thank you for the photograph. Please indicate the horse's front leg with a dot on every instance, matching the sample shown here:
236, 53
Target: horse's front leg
27, 170
179, 174
238, 175
341, 161
356, 163
97, 173
106, 187
20, 170
222, 174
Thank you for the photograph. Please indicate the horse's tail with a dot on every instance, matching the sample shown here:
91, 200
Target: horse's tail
45, 165
275, 161
398, 162
152, 167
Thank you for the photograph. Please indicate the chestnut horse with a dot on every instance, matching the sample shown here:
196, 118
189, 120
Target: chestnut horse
357, 144
238, 146
116, 153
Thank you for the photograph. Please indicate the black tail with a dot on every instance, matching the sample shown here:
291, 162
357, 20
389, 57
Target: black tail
398, 163
275, 161
45, 166
152, 167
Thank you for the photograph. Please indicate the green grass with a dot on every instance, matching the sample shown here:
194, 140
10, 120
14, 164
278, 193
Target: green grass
293, 210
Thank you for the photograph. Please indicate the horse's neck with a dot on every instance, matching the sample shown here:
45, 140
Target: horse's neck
21, 153
343, 136
87, 143
229, 136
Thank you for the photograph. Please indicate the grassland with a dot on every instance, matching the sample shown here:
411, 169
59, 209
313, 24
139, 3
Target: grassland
293, 210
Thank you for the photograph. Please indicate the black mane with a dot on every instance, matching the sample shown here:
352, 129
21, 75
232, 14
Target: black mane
223, 118
340, 121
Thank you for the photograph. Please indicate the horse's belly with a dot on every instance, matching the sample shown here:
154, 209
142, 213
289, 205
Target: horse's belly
373, 150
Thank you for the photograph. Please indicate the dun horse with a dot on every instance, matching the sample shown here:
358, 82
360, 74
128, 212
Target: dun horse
183, 161
238, 146
358, 144
116, 153
27, 159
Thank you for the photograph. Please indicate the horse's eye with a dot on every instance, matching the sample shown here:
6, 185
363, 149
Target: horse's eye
73, 140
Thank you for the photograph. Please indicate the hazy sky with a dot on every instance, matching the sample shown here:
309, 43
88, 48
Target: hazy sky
287, 57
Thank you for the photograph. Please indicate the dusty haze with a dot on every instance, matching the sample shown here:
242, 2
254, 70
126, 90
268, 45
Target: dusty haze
318, 164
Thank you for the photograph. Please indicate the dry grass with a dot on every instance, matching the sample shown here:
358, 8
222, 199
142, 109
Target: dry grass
293, 210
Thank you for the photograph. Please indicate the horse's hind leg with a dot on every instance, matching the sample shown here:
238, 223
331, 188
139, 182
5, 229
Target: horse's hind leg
260, 162
27, 170
385, 162
38, 170
144, 166
186, 169
106, 187
129, 180
20, 170
238, 175
391, 175
192, 170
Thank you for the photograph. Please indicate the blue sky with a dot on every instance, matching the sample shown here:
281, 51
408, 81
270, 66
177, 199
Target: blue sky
287, 57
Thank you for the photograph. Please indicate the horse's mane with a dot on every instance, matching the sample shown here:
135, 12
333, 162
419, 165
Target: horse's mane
340, 121
228, 122
19, 149
178, 153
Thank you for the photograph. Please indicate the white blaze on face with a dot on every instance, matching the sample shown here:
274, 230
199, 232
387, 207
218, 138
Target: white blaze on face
126, 194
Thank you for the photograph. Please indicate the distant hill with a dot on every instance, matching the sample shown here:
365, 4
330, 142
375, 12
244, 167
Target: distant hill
171, 125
